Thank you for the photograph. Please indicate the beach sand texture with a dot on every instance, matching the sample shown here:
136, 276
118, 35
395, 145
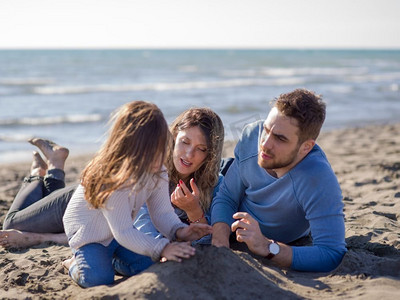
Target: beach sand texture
367, 163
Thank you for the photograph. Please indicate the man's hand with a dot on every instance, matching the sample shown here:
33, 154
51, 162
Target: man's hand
220, 237
176, 251
248, 231
193, 232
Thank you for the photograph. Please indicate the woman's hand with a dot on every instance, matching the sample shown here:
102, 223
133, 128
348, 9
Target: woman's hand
176, 251
188, 201
193, 232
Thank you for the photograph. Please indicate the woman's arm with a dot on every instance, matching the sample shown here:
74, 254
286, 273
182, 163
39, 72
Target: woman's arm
144, 224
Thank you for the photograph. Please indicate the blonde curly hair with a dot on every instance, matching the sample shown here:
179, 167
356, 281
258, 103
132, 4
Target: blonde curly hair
206, 176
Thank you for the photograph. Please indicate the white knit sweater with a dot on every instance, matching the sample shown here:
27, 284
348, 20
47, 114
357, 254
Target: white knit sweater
84, 224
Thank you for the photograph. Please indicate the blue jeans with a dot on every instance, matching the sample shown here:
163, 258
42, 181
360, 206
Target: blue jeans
40, 204
96, 264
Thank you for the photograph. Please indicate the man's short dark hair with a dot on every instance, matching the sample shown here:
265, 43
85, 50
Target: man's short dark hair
307, 108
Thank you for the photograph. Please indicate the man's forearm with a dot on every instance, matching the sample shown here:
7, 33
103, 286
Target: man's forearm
220, 236
285, 256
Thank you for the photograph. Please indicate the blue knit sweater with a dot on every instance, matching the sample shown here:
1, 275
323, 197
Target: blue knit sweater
306, 199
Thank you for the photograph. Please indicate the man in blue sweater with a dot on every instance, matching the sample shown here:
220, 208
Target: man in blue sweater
281, 188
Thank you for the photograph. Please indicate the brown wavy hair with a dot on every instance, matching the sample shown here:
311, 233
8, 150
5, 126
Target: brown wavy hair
138, 137
307, 108
206, 177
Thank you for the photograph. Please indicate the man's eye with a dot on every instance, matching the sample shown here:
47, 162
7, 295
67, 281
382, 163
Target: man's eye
282, 139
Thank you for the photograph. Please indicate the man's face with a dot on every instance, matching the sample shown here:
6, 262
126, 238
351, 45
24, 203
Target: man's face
279, 147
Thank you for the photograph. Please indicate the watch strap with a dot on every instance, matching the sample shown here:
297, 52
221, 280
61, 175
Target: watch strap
270, 256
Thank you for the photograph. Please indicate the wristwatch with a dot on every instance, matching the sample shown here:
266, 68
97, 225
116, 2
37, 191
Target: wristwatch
274, 249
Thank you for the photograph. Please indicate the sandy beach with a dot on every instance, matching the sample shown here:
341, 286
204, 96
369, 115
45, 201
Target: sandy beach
367, 163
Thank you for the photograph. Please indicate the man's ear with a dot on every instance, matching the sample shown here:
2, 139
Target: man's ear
307, 146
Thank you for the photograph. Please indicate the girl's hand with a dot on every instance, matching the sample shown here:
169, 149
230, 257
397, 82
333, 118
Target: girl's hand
186, 200
176, 251
193, 232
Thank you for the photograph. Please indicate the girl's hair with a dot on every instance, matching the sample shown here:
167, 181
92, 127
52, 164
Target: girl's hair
137, 139
206, 177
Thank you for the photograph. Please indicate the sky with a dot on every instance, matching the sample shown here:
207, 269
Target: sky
361, 24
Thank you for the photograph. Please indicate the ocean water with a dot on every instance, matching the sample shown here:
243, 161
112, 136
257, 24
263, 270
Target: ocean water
68, 95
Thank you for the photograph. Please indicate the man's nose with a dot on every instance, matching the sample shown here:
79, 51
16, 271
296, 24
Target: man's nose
266, 142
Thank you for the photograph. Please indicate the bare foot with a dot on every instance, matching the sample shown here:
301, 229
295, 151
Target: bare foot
12, 238
68, 262
39, 166
56, 155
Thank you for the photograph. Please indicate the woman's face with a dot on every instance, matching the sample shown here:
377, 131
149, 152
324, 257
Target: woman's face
190, 151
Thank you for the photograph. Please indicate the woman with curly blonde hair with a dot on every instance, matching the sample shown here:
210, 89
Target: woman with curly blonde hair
202, 178
193, 164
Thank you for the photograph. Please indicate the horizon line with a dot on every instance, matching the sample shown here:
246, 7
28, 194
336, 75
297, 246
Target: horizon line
209, 48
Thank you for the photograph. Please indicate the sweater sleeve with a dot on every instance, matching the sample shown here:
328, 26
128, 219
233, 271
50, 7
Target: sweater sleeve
321, 198
227, 199
232, 188
118, 213
161, 211
207, 214
327, 250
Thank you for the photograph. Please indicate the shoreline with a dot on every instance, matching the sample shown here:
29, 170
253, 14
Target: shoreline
366, 161
24, 156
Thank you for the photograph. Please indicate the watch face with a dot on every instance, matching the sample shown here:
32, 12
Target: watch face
274, 248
